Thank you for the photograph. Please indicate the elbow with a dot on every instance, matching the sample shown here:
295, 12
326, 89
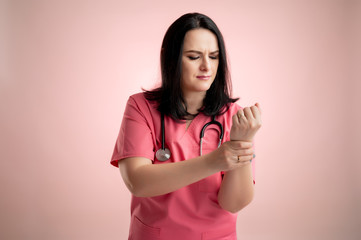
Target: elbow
139, 190
236, 205
133, 180
138, 194
240, 206
131, 188
135, 190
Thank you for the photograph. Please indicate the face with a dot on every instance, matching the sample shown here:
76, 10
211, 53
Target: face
199, 61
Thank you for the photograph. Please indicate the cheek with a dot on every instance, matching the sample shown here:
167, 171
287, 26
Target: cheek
215, 68
185, 68
188, 69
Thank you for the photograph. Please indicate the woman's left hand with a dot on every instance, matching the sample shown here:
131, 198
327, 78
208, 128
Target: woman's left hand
246, 123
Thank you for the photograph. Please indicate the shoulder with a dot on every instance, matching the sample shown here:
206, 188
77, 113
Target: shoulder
138, 97
145, 107
140, 100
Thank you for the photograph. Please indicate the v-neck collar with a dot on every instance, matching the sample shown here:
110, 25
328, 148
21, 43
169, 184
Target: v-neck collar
191, 121
192, 125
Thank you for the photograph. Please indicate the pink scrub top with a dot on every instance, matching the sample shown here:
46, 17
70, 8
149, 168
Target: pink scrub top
192, 212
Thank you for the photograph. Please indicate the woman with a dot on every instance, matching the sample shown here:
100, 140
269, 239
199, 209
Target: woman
194, 190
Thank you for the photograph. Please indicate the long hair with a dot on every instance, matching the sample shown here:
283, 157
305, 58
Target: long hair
169, 95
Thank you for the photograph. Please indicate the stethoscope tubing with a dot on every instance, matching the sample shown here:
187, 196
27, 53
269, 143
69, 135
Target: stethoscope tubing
201, 135
163, 154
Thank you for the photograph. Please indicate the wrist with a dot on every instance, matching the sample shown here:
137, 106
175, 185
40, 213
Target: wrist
243, 140
211, 162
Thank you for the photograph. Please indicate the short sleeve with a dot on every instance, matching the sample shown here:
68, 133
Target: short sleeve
135, 136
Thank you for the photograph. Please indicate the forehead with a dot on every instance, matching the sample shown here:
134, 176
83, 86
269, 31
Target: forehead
200, 39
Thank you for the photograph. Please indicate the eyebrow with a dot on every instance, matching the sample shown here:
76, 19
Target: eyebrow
199, 52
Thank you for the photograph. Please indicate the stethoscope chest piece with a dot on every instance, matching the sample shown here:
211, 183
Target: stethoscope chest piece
162, 154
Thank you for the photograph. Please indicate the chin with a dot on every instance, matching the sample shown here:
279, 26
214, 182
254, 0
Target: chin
202, 89
199, 87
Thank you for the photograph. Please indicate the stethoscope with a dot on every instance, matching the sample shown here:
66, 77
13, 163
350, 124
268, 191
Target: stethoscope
163, 154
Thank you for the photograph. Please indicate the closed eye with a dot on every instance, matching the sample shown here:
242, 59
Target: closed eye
193, 58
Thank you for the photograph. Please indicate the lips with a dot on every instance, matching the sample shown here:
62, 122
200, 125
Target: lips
204, 77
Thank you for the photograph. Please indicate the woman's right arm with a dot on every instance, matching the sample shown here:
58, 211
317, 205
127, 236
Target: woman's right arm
145, 179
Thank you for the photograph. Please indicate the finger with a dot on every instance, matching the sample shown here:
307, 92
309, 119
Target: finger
259, 108
245, 158
248, 113
256, 113
240, 114
235, 119
241, 144
245, 151
243, 163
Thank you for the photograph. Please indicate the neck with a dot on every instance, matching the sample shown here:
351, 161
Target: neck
194, 101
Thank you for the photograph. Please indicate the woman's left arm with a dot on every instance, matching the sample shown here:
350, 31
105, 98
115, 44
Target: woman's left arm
237, 187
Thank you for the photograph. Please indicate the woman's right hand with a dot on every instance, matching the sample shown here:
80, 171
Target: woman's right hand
232, 154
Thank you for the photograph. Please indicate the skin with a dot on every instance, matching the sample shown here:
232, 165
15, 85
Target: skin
199, 66
144, 179
237, 189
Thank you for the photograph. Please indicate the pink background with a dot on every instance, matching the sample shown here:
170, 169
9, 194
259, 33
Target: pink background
68, 67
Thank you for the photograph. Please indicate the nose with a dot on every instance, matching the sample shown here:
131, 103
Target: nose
205, 65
